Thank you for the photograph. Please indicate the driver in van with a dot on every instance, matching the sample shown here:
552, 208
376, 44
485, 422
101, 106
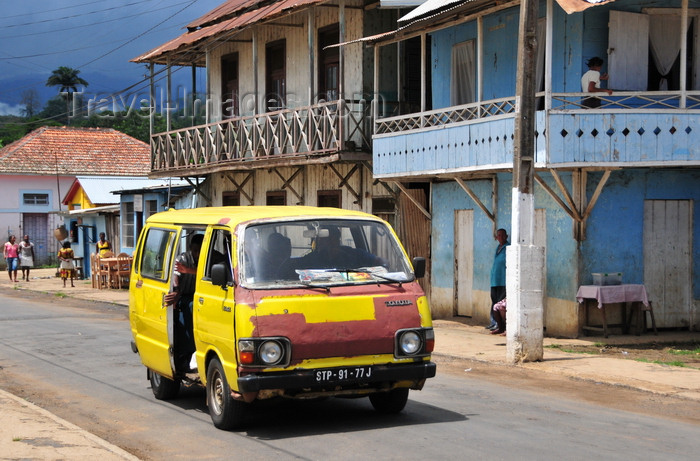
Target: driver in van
184, 281
330, 253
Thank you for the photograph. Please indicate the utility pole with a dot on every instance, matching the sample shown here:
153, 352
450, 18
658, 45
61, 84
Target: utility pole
524, 261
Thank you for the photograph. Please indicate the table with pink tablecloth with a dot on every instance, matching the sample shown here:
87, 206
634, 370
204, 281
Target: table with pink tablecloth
611, 294
608, 294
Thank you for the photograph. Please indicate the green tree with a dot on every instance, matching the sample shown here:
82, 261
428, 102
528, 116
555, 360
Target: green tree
67, 80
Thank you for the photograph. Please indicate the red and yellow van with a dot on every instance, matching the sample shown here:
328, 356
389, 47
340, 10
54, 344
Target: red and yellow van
294, 302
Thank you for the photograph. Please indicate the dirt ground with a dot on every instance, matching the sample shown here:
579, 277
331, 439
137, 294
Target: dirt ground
679, 354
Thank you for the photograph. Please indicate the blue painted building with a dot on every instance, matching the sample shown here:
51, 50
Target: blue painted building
617, 187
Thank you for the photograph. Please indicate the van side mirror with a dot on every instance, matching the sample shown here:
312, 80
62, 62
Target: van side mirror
220, 275
419, 266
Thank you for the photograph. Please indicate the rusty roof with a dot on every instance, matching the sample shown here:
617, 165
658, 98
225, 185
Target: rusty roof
224, 11
76, 151
224, 20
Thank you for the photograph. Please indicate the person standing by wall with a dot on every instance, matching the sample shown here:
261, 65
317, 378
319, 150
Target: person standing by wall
498, 274
26, 257
590, 82
102, 246
11, 254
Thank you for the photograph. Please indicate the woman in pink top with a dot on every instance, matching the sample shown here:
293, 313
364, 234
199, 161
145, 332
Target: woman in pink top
11, 256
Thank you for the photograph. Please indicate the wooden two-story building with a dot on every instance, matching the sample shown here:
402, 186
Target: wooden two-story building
617, 187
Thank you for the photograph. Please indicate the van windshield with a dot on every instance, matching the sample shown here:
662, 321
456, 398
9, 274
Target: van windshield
321, 253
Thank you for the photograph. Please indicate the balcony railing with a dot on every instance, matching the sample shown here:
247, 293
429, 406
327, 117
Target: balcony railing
446, 116
311, 130
653, 102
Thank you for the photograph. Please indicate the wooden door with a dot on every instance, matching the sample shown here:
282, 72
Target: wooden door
464, 262
628, 51
668, 260
229, 86
328, 63
36, 225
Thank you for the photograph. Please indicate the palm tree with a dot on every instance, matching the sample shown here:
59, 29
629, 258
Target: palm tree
67, 80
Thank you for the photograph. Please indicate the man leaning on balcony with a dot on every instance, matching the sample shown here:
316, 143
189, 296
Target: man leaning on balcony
590, 82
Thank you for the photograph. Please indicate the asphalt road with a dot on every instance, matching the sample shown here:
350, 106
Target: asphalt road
73, 358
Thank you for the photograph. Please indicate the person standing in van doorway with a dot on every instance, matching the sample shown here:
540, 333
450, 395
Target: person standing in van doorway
184, 281
498, 274
102, 246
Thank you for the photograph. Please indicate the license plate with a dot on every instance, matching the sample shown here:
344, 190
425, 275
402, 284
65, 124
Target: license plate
343, 374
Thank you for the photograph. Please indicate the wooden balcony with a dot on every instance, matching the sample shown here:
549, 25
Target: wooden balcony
289, 136
630, 129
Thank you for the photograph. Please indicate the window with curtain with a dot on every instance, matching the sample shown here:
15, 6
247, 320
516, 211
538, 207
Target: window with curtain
463, 78
646, 51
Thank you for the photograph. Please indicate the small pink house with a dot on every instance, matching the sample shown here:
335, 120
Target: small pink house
38, 170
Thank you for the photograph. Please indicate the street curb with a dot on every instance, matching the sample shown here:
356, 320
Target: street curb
71, 427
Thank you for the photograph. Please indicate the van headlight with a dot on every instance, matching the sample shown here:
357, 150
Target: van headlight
414, 342
271, 352
264, 352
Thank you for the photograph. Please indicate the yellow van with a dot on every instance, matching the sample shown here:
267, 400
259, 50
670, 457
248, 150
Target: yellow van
262, 302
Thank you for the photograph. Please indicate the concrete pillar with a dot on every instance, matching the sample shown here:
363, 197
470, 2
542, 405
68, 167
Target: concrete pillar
524, 323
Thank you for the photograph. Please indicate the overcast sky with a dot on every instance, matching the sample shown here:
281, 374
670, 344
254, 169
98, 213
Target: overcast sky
95, 37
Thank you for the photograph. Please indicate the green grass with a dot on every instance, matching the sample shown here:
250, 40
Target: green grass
60, 294
685, 351
659, 362
571, 351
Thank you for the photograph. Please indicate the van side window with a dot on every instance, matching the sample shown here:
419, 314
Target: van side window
219, 252
157, 252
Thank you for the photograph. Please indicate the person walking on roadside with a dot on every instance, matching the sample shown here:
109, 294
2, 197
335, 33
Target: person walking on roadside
498, 274
65, 256
26, 257
11, 254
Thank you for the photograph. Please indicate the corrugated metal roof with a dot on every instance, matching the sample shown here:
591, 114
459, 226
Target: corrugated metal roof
223, 11
187, 41
102, 189
433, 7
76, 151
430, 7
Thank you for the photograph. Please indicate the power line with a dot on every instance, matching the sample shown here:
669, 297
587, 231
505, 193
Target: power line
83, 26
141, 34
73, 16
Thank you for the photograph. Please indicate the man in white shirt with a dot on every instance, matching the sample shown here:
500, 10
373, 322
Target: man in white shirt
590, 82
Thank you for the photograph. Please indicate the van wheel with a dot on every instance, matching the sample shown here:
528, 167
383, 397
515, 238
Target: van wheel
226, 412
389, 402
163, 388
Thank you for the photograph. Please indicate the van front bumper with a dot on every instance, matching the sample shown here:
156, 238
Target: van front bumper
308, 379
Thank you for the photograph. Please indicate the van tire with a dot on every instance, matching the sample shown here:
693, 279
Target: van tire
390, 402
226, 412
163, 388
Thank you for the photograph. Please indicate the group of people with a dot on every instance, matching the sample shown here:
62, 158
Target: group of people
19, 256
